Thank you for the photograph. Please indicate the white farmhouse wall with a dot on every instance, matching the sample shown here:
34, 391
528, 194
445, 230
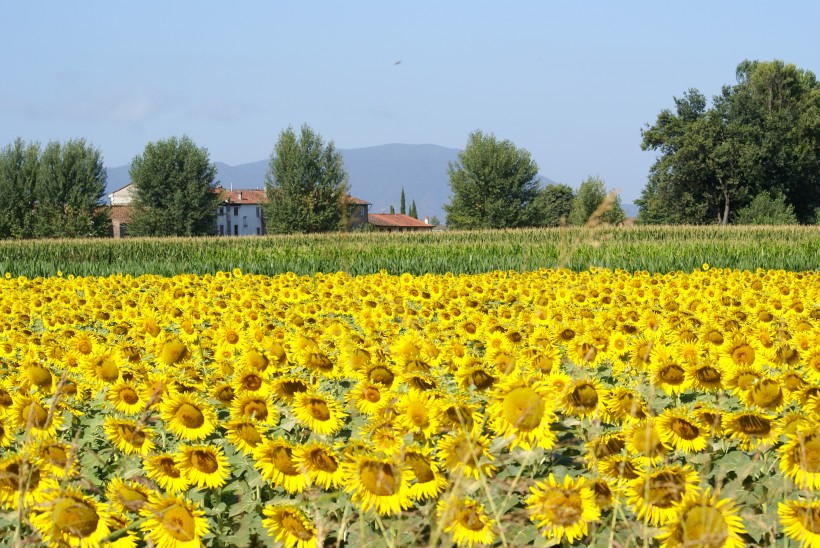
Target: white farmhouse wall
239, 220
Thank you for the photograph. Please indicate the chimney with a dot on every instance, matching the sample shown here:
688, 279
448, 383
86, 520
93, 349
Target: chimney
240, 195
426, 220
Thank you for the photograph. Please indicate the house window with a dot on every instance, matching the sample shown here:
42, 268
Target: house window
221, 211
221, 230
236, 230
257, 211
258, 231
236, 211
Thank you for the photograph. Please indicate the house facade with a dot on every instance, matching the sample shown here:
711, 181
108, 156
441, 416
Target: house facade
240, 213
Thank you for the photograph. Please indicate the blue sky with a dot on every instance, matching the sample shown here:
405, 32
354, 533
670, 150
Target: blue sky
572, 82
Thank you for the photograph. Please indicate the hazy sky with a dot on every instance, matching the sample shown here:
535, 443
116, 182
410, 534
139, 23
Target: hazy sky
572, 82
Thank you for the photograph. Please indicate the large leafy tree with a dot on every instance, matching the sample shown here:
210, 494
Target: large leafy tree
174, 190
19, 166
69, 191
593, 204
553, 204
306, 184
493, 185
760, 135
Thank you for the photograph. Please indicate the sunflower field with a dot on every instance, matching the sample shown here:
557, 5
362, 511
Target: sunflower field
600, 407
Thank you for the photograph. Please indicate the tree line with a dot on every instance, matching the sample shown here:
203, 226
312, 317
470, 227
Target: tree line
751, 157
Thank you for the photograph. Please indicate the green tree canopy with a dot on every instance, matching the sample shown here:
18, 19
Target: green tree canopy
402, 208
19, 167
765, 209
306, 184
759, 135
174, 192
593, 204
413, 211
552, 205
493, 185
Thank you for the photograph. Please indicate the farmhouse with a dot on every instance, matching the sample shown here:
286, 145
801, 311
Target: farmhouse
241, 213
396, 222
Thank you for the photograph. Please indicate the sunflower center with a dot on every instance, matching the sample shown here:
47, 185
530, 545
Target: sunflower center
318, 409
458, 416
380, 478
320, 459
190, 416
129, 396
225, 394
55, 455
371, 394
295, 527
665, 489
36, 414
252, 382
131, 499
708, 375
232, 337
204, 461
767, 394
743, 354
420, 466
809, 518
746, 379
469, 518
39, 376
684, 429
168, 467
523, 408
563, 507
84, 346
256, 360
704, 526
174, 351
249, 434
75, 518
10, 477
5, 398
606, 447
132, 435
418, 414
481, 379
179, 523
715, 337
754, 425
381, 375
256, 409
282, 458
807, 455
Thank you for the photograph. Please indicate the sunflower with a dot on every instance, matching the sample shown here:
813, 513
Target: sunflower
204, 465
800, 458
711, 417
706, 376
466, 520
467, 454
128, 436
680, 430
244, 435
162, 468
737, 351
275, 460
250, 407
801, 521
369, 398
6, 431
188, 416
583, 398
35, 417
125, 398
321, 463
429, 480
654, 495
318, 412
58, 458
455, 412
286, 387
605, 445
750, 428
620, 468
743, 377
251, 381
766, 393
623, 405
643, 440
174, 522
69, 518
118, 524
382, 484
703, 520
128, 496
605, 494
289, 525
524, 409
25, 476
417, 413
669, 377
562, 509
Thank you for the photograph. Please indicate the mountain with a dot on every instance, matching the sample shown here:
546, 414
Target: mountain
376, 174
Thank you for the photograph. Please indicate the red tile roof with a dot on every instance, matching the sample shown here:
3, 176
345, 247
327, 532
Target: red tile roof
357, 201
244, 196
395, 220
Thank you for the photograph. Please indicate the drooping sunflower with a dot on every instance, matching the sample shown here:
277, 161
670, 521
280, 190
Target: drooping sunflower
319, 412
643, 441
289, 525
800, 457
321, 463
285, 387
248, 406
430, 481
128, 436
204, 465
524, 409
455, 412
382, 484
70, 518
275, 460
128, 496
704, 520
467, 454
622, 405
245, 434
466, 520
606, 494
801, 521
188, 416
680, 430
583, 398
706, 376
562, 509
766, 393
750, 429
654, 495
174, 522
163, 469
620, 468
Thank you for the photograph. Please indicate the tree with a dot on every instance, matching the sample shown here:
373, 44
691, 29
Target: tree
174, 192
392, 210
19, 167
306, 184
69, 192
401, 202
593, 205
493, 185
434, 221
766, 209
758, 135
413, 212
552, 205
